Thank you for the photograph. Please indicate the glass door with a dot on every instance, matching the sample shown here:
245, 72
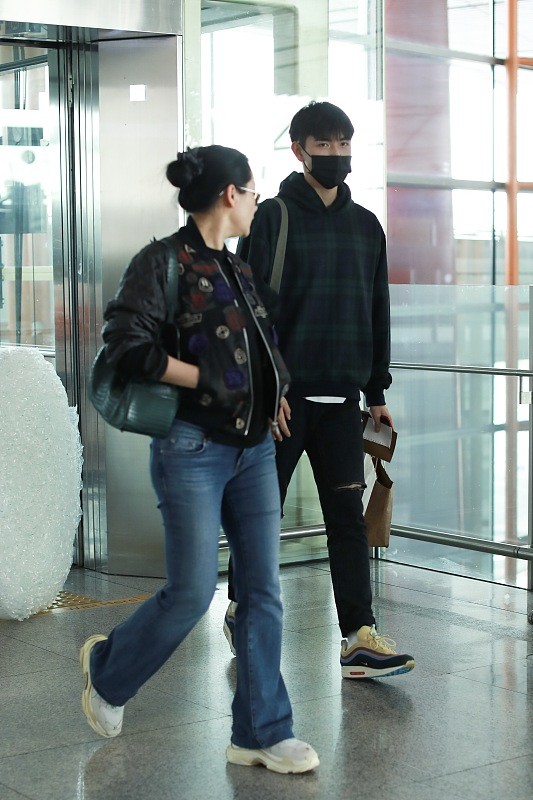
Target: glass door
27, 314
36, 289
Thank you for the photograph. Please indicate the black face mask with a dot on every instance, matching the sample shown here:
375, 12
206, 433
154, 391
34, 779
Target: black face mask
329, 171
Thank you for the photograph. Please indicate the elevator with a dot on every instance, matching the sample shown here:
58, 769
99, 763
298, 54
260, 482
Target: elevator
91, 111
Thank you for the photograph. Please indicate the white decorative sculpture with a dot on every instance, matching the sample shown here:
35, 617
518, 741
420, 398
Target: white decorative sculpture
40, 482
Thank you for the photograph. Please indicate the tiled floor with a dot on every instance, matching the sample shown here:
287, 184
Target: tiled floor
459, 726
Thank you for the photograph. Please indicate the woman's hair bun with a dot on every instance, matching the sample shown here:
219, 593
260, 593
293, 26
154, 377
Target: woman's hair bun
185, 168
201, 174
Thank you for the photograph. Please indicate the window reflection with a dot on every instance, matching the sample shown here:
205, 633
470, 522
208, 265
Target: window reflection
525, 28
418, 115
524, 125
460, 325
439, 117
453, 24
525, 236
420, 242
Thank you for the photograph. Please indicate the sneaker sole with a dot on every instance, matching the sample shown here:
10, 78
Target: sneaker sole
250, 758
85, 659
229, 637
369, 672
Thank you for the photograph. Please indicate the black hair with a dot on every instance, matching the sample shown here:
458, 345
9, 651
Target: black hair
322, 120
203, 172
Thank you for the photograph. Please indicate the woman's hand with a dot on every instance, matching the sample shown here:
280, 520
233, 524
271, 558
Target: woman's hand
181, 373
280, 427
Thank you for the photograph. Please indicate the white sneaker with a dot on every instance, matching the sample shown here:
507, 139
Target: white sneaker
289, 755
103, 718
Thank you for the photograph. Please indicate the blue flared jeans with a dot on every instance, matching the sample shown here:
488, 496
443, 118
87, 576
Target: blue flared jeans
202, 485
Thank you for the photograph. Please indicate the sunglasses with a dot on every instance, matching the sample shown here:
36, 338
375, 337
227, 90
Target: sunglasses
252, 191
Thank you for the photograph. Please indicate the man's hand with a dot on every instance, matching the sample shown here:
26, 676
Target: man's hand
284, 414
378, 413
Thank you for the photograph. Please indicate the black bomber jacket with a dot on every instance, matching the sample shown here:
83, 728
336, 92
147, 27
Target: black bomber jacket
212, 328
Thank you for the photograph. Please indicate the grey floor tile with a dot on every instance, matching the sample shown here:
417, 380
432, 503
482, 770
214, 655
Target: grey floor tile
315, 616
20, 658
513, 674
44, 711
452, 586
296, 572
311, 591
444, 645
9, 794
419, 791
108, 587
207, 679
310, 663
64, 632
458, 725
415, 727
186, 762
355, 743
53, 774
469, 612
505, 779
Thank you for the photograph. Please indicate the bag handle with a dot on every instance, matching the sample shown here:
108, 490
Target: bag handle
279, 256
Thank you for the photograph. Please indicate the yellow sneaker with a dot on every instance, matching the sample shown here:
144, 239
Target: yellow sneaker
373, 656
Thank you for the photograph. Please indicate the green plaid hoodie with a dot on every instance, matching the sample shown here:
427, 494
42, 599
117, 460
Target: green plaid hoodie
332, 315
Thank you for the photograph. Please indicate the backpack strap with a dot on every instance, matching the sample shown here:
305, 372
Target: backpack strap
279, 256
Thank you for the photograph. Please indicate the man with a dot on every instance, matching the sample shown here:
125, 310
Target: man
332, 320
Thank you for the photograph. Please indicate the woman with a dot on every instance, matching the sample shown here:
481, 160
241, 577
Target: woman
215, 467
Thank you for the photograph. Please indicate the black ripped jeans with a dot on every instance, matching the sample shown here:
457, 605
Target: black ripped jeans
331, 435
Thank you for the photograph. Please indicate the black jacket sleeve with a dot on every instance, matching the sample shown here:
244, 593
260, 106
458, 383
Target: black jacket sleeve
133, 318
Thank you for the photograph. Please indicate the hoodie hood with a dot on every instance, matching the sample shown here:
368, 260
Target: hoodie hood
296, 188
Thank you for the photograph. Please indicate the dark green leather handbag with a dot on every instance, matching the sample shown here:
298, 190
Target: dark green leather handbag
146, 407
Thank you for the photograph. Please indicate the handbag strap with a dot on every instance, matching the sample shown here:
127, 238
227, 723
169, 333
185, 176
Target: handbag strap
172, 289
172, 284
279, 256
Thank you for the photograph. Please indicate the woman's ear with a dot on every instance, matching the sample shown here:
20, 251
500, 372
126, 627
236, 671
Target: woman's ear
228, 195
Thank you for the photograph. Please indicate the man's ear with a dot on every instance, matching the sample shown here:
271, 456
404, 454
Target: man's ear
297, 150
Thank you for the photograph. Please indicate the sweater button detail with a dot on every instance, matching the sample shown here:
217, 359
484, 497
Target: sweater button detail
240, 356
204, 285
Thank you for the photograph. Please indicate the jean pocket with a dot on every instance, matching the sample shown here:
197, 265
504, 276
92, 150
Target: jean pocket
184, 438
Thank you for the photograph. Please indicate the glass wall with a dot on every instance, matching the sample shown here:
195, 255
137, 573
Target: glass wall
463, 465
435, 71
